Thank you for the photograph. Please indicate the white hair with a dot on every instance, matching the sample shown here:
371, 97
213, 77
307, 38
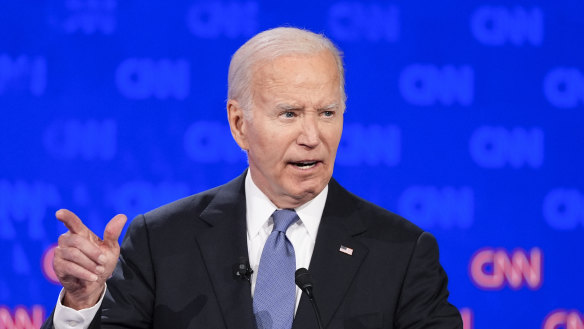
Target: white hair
269, 45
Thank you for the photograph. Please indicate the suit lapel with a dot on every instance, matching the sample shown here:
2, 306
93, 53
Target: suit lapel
333, 270
221, 244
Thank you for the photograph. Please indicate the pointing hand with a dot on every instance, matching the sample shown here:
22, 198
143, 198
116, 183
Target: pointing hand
83, 261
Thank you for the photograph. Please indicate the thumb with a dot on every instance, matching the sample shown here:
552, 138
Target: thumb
113, 229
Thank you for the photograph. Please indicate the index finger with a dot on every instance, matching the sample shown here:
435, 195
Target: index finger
71, 221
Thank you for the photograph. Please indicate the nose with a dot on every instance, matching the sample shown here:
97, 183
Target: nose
309, 134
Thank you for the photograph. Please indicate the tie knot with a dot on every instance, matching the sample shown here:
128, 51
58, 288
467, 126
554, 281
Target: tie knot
283, 219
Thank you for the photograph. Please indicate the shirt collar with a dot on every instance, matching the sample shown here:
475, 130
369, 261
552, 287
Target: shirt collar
260, 208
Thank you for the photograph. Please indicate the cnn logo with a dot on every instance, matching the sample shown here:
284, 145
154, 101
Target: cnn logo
563, 319
21, 317
493, 269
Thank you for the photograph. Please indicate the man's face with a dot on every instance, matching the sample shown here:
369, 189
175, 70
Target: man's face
295, 127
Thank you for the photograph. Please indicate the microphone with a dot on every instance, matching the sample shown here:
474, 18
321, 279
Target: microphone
242, 270
304, 282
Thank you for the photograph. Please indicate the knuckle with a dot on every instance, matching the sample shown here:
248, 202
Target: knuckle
58, 253
63, 238
60, 268
74, 253
64, 253
74, 239
71, 254
56, 264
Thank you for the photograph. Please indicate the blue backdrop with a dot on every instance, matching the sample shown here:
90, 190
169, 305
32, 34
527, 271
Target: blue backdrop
464, 116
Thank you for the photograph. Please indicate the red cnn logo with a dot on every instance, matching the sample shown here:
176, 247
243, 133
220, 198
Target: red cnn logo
21, 318
563, 319
467, 318
491, 268
47, 265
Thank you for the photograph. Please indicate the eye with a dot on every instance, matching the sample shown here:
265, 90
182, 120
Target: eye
328, 113
288, 114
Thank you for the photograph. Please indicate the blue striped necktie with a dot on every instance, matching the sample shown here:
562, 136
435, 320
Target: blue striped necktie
275, 291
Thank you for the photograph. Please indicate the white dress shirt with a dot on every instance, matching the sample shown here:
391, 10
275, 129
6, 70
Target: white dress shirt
260, 223
301, 234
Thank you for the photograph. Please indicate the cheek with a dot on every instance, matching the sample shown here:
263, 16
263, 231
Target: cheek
333, 138
279, 140
268, 146
258, 138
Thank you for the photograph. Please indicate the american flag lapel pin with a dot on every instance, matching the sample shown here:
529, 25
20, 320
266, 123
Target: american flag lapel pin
346, 250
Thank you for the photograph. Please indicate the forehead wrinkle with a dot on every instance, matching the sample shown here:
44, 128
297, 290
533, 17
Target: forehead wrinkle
272, 79
276, 72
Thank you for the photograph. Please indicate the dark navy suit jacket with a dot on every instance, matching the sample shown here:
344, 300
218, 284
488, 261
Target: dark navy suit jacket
175, 268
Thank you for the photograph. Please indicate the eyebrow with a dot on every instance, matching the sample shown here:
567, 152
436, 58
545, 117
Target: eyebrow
329, 107
289, 107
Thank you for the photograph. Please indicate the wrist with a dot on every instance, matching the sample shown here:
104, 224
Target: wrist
82, 302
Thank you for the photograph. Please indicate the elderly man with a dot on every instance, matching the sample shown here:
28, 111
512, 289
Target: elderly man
370, 268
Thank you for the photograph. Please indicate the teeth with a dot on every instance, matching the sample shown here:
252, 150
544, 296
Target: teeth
305, 165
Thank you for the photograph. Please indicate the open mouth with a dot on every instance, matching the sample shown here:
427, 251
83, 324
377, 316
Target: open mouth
304, 164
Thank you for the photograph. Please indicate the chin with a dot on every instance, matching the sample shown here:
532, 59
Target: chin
308, 188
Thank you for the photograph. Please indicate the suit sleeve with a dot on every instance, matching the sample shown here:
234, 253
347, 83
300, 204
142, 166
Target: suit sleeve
48, 324
130, 293
424, 296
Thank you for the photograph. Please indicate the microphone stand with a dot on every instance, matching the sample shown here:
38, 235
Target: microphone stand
304, 282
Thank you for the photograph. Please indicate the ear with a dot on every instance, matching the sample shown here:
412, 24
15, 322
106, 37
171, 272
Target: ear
237, 123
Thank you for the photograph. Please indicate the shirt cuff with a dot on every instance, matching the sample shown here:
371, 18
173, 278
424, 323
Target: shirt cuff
68, 318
